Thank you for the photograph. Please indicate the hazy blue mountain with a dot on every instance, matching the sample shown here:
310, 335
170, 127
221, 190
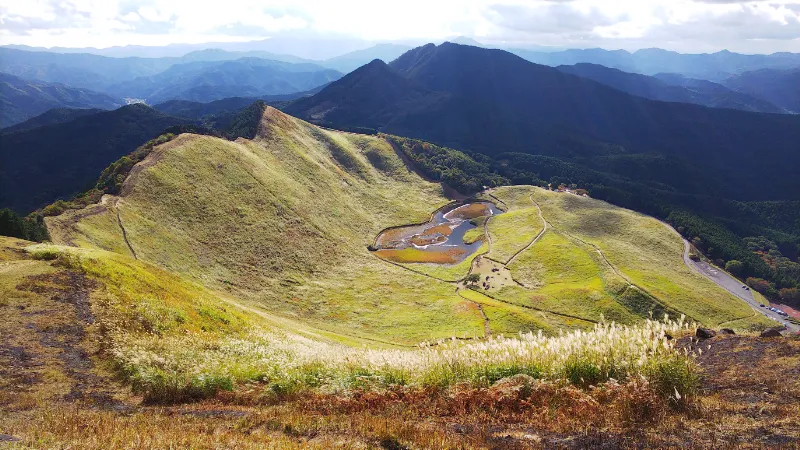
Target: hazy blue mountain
216, 54
213, 80
464, 40
304, 44
22, 99
781, 87
709, 66
79, 69
99, 73
51, 117
127, 51
672, 88
351, 61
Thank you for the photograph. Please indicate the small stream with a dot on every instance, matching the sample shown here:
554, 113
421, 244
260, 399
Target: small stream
439, 241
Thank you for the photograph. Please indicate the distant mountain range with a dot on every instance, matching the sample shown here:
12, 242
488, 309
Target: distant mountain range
23, 99
493, 102
208, 81
714, 66
79, 70
191, 77
672, 88
781, 87
304, 45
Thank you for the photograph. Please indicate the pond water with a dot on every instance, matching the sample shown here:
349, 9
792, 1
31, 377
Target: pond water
439, 241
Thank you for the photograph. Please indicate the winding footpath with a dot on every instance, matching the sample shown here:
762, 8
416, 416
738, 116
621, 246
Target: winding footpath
730, 284
613, 268
545, 225
124, 232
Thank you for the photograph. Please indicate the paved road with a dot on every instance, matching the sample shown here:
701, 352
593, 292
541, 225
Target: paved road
732, 285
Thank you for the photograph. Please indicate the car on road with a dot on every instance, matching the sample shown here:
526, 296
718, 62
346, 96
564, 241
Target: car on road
762, 305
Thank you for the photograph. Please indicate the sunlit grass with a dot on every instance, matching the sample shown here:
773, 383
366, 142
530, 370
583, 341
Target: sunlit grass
517, 227
286, 364
283, 222
563, 276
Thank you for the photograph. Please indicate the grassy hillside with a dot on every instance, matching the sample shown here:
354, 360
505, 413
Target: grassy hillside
282, 222
702, 169
78, 321
595, 261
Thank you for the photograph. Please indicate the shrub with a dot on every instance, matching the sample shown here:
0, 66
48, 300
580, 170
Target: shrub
30, 228
790, 295
734, 267
160, 387
763, 286
472, 278
675, 378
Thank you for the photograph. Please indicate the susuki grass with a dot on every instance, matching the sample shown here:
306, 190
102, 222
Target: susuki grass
186, 367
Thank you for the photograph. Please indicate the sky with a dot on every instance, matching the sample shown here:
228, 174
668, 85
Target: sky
688, 26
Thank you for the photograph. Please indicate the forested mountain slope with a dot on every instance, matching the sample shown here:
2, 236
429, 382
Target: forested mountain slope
491, 101
56, 161
672, 89
22, 99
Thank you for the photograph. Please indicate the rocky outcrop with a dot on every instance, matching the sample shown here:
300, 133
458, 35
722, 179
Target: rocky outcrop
705, 333
772, 332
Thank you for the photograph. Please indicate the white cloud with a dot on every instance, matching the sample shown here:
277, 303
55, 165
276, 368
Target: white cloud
683, 25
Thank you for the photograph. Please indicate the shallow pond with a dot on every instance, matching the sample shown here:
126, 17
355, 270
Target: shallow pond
439, 241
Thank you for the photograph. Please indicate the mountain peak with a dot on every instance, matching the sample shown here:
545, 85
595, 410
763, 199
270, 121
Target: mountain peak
375, 63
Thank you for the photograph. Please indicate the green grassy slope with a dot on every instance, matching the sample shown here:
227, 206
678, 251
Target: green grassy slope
283, 222
595, 261
512, 231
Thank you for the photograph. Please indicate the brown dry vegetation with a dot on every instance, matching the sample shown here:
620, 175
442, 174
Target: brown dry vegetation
470, 211
752, 404
415, 255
